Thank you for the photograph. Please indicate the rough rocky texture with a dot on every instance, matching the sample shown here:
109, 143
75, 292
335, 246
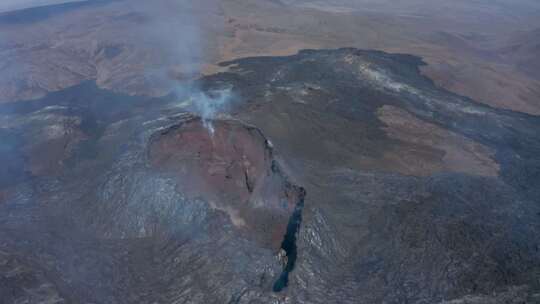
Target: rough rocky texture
232, 167
134, 47
387, 237
451, 151
114, 222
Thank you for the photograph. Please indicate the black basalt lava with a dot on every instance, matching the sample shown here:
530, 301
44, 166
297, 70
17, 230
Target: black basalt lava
109, 229
289, 243
386, 237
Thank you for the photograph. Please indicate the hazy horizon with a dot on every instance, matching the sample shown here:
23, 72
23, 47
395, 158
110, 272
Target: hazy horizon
11, 5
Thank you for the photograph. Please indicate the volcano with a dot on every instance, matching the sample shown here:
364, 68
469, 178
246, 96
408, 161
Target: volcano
233, 169
340, 176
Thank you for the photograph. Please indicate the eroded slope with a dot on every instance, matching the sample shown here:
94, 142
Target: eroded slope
407, 192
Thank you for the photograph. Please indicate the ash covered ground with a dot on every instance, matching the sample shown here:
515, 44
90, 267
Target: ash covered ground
334, 176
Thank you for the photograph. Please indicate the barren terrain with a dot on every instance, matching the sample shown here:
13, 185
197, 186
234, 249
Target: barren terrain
285, 151
131, 46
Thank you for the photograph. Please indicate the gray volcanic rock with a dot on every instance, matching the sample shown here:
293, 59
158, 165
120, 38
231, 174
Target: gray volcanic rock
370, 236
22, 283
337, 176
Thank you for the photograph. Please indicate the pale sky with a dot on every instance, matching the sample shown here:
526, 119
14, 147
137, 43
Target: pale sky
8, 5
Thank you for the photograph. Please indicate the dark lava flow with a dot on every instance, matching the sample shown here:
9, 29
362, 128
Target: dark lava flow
94, 217
289, 243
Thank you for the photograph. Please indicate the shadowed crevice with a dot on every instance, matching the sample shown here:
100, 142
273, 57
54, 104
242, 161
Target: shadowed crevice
289, 243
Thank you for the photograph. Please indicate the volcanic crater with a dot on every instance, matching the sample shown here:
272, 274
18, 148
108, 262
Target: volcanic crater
164, 211
232, 167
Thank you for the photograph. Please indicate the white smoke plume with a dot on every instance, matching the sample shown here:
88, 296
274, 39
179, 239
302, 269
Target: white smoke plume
179, 33
209, 105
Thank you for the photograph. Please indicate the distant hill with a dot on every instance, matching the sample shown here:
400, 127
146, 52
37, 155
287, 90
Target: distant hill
523, 50
43, 10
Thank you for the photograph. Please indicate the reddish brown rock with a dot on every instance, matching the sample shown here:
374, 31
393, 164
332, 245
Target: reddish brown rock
233, 169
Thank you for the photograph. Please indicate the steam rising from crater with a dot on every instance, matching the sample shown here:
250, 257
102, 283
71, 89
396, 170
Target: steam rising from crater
181, 37
208, 106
